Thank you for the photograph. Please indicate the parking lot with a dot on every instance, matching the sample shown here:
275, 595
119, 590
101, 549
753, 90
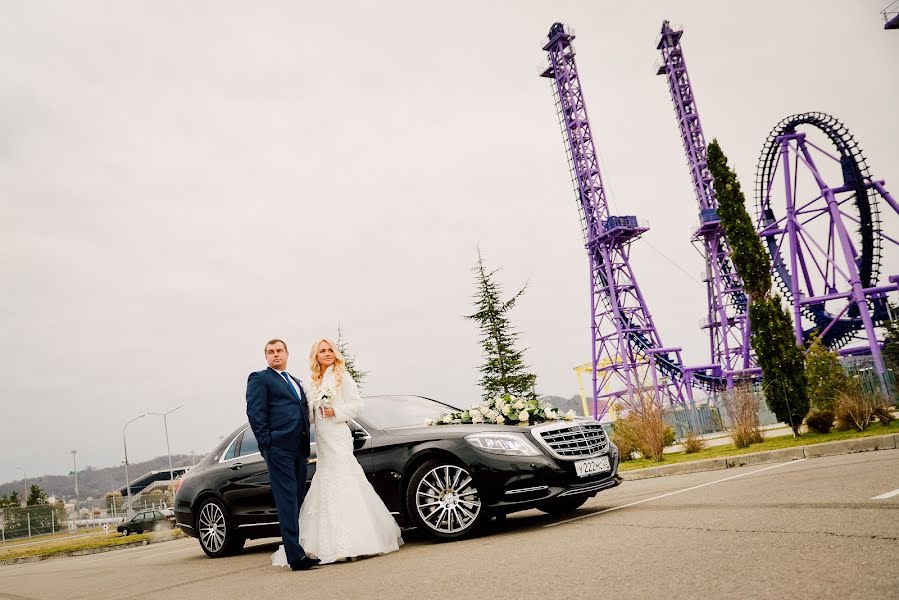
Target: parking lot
805, 529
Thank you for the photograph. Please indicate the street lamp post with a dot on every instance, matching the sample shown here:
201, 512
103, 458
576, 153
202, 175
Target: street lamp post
75, 471
127, 479
168, 449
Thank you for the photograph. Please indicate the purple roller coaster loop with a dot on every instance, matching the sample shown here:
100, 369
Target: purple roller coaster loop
727, 319
625, 342
838, 264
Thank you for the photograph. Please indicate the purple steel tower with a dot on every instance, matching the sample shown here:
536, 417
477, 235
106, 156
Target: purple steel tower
626, 344
726, 320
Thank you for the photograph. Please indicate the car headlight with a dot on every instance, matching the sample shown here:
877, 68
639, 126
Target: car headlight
496, 442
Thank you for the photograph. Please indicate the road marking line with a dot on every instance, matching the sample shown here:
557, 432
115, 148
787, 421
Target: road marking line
695, 487
886, 495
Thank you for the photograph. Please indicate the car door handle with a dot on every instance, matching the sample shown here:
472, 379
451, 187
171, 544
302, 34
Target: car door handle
236, 466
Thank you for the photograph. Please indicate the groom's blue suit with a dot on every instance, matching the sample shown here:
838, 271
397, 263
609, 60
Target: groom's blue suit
279, 417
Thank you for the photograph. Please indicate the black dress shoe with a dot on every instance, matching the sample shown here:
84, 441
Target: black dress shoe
303, 564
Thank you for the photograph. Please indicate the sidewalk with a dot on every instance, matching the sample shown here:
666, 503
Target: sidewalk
722, 438
851, 446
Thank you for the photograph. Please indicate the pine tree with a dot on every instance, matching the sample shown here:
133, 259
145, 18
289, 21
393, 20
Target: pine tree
349, 358
36, 496
503, 371
778, 355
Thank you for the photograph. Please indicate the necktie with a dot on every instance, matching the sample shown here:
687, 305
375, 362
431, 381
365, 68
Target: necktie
290, 385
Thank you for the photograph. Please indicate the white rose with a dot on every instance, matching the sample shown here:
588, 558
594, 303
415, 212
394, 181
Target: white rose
429, 422
523, 416
477, 418
500, 419
448, 419
506, 409
549, 414
569, 416
518, 405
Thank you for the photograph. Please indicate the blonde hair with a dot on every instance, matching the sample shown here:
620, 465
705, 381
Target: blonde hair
339, 365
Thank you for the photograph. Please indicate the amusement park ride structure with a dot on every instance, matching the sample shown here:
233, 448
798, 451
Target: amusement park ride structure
622, 326
832, 284
727, 318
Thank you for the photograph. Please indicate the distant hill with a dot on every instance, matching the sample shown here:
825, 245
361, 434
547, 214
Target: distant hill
97, 482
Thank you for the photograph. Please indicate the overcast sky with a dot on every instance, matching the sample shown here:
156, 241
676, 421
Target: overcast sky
183, 181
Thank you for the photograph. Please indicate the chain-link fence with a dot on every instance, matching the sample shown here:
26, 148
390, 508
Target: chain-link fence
30, 521
862, 367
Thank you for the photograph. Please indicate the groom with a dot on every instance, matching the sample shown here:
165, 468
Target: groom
279, 417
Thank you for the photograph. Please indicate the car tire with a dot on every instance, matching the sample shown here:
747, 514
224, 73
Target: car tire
561, 506
215, 532
436, 507
125, 532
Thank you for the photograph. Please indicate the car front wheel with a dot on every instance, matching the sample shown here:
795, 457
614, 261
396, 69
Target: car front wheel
217, 537
125, 532
443, 501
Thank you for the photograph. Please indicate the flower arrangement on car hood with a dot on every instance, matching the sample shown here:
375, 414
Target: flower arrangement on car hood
504, 410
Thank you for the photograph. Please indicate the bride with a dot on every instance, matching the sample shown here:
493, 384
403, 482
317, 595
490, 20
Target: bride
342, 516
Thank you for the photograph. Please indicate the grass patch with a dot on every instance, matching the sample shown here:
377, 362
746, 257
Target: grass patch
774, 443
59, 535
73, 544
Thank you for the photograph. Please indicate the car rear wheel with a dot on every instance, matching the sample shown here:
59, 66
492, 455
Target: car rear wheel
560, 506
443, 501
217, 536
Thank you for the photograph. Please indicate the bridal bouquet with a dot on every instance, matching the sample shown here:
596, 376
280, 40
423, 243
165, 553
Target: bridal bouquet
325, 397
504, 410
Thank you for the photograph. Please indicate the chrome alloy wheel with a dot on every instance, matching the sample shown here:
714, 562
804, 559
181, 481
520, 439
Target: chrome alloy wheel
212, 527
447, 500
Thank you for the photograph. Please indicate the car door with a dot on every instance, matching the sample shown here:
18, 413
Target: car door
140, 522
246, 489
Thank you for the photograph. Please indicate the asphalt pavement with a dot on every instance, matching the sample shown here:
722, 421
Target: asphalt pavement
812, 528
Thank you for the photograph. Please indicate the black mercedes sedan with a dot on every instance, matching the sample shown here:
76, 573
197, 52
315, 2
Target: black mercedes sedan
445, 480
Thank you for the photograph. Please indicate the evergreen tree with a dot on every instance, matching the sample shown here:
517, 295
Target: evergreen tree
503, 371
36, 496
349, 359
780, 359
824, 374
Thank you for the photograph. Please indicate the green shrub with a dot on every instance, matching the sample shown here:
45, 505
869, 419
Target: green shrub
820, 421
824, 375
670, 437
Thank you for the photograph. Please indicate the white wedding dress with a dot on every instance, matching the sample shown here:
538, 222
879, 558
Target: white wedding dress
342, 515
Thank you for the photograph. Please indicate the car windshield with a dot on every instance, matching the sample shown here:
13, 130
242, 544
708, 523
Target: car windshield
387, 412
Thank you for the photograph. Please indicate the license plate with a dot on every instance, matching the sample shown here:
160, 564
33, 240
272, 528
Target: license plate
592, 466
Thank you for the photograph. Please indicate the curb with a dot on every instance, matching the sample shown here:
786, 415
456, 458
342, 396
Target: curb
889, 441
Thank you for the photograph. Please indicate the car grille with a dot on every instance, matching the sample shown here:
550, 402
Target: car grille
577, 440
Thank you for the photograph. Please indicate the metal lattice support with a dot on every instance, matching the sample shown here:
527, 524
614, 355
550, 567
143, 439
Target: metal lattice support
626, 344
726, 318
818, 213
